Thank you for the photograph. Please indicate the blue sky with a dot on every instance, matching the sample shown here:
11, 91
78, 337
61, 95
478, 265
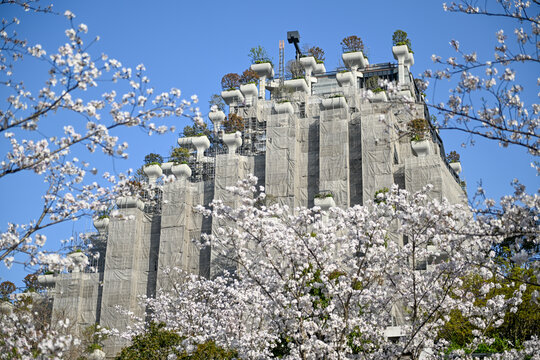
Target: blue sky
191, 45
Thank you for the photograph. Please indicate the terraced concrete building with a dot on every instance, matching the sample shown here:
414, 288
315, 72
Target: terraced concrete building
323, 133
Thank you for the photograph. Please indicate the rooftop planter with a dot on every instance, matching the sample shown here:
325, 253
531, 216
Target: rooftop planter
453, 160
456, 166
421, 147
216, 117
297, 85
166, 167
379, 96
324, 202
284, 108
181, 171
233, 141
345, 78
319, 69
232, 96
79, 260
102, 224
153, 171
47, 280
249, 91
263, 69
127, 202
409, 61
354, 60
337, 102
308, 63
200, 143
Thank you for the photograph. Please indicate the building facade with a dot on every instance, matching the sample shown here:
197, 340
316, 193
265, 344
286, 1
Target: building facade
323, 133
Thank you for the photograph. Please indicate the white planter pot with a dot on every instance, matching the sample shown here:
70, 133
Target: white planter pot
297, 85
200, 143
153, 172
334, 103
285, 107
456, 166
379, 97
249, 90
216, 117
250, 93
79, 261
233, 141
324, 203
264, 69
102, 225
308, 63
166, 167
366, 61
420, 148
409, 61
319, 69
345, 78
46, 280
232, 97
181, 171
96, 355
125, 202
354, 60
400, 52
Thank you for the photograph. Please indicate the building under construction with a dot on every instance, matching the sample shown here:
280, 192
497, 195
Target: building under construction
325, 132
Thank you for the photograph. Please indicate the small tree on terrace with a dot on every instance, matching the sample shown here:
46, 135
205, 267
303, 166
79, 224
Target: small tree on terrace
230, 81
400, 37
249, 77
352, 43
317, 53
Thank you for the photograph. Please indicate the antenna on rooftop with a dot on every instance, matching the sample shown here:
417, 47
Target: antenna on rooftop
281, 61
293, 37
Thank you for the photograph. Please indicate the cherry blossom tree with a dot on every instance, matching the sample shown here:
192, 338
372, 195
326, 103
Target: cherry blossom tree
487, 99
30, 112
376, 281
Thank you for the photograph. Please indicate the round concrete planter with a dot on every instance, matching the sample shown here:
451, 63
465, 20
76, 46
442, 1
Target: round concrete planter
400, 52
232, 96
79, 260
297, 85
129, 202
181, 171
334, 103
46, 280
153, 172
354, 60
166, 167
102, 225
324, 203
456, 166
345, 78
409, 60
420, 148
217, 117
319, 69
379, 97
248, 90
263, 69
284, 107
250, 93
233, 141
200, 143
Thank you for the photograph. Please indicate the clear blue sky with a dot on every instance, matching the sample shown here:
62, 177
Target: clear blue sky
192, 44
